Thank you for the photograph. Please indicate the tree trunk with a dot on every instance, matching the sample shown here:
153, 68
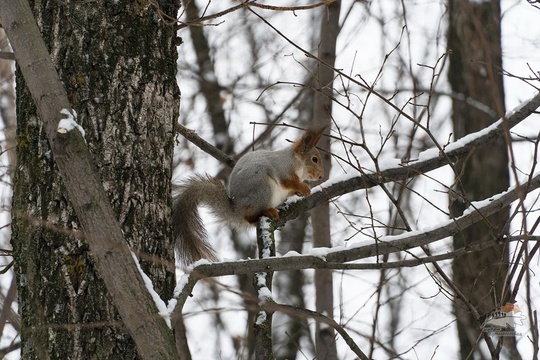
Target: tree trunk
118, 64
208, 84
322, 114
474, 39
289, 289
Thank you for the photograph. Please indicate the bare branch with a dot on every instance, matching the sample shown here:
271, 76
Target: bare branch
6, 313
11, 347
7, 55
252, 3
205, 146
320, 318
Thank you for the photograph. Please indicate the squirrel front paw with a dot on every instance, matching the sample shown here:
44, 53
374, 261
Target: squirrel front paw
295, 186
303, 190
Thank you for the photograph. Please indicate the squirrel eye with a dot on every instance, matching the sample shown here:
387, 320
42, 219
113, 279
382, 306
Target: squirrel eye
315, 159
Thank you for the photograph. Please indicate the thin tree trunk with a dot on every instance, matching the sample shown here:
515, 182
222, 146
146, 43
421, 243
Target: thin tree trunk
322, 114
289, 290
262, 282
118, 65
208, 83
474, 39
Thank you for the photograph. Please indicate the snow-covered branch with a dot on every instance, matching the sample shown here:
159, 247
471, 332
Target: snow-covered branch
332, 258
428, 160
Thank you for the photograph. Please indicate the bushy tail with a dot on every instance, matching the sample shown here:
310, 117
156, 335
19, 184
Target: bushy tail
191, 237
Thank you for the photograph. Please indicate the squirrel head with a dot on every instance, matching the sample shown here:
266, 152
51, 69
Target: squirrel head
305, 150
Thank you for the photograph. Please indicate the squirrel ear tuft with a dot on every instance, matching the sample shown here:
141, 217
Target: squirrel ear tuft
308, 141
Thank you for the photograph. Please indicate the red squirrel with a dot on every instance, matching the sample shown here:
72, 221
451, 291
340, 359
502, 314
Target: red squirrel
260, 181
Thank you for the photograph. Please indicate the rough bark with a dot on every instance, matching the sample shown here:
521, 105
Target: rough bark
118, 64
322, 114
474, 39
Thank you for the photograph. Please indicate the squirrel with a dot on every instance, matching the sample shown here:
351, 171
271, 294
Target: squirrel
260, 181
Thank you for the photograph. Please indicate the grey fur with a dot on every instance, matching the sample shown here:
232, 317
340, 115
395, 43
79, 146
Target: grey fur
256, 193
260, 181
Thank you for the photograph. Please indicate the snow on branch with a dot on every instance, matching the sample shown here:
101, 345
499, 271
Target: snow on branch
69, 123
160, 304
479, 211
428, 160
334, 258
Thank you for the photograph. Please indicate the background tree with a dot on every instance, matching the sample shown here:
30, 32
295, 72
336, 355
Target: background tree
9, 319
474, 41
322, 113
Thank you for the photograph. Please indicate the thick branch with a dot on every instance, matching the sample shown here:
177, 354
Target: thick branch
406, 241
335, 257
109, 249
389, 244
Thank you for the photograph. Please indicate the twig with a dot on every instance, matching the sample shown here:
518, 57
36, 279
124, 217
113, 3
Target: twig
5, 314
205, 146
243, 4
306, 314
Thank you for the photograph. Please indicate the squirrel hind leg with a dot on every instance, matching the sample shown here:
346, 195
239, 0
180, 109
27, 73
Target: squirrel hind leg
272, 213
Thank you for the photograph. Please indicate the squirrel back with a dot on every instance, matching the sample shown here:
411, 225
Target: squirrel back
260, 181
